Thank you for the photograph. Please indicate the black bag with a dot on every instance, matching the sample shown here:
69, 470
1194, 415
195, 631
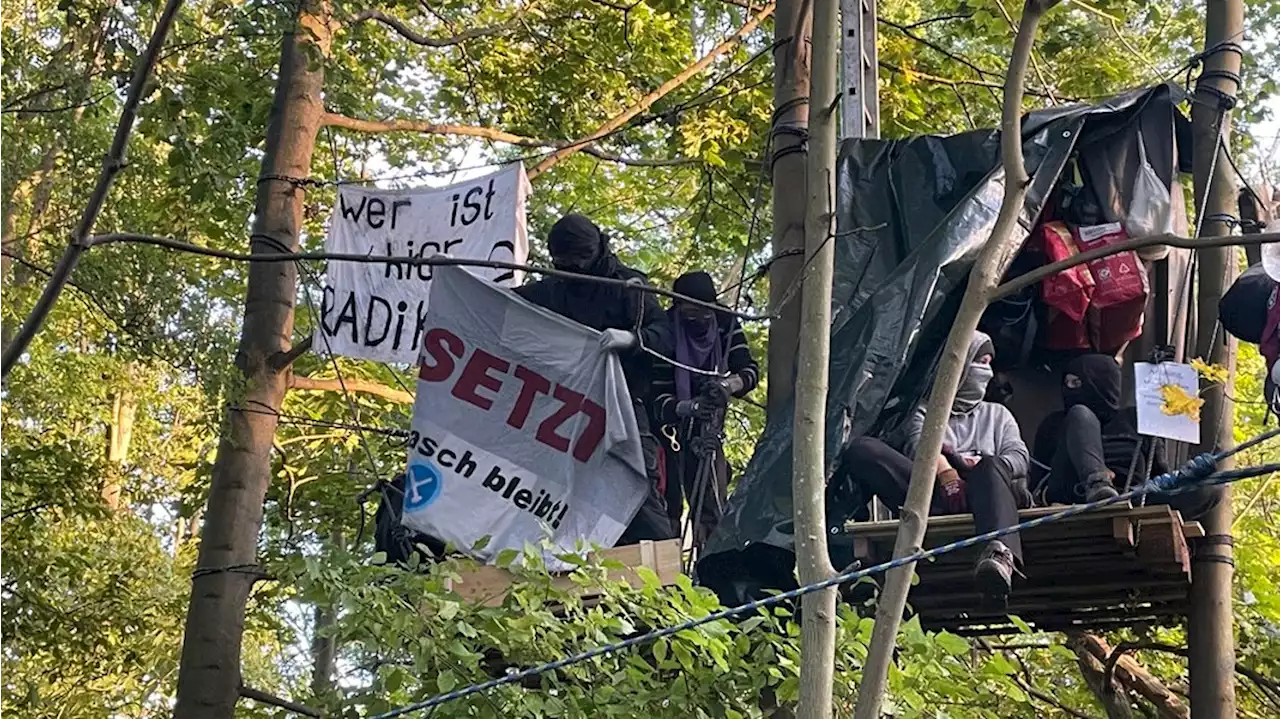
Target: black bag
392, 537
1243, 308
1011, 322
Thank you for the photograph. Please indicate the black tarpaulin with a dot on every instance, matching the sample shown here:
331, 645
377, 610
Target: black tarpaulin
912, 216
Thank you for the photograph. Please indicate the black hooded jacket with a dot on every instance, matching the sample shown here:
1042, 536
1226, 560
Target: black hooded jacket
1100, 391
600, 307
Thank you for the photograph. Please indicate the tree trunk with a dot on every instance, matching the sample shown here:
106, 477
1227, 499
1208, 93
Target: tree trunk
323, 648
1134, 676
813, 562
1110, 695
1209, 630
6, 263
1006, 237
792, 24
124, 408
209, 677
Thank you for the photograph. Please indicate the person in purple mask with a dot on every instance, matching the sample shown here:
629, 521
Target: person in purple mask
712, 364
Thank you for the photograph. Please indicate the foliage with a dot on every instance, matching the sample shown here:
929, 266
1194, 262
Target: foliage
411, 638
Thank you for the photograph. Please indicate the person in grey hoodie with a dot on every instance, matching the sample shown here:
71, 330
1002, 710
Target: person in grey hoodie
982, 469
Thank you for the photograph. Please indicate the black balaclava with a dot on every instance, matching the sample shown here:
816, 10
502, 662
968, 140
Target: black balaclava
1094, 381
699, 286
577, 245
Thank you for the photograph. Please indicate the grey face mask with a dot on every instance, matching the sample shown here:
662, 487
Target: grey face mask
973, 387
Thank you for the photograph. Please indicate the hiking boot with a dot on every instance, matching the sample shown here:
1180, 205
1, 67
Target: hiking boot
993, 574
1100, 487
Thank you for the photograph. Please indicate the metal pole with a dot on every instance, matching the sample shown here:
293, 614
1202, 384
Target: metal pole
860, 101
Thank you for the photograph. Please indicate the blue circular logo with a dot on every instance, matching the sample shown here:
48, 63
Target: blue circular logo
422, 486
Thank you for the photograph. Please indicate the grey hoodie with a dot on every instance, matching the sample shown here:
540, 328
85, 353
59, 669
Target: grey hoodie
986, 430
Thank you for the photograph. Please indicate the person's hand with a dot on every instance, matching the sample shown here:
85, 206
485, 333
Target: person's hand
953, 459
971, 461
716, 395
617, 340
733, 384
953, 492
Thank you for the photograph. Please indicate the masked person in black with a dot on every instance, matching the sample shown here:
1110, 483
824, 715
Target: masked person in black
626, 317
690, 406
1093, 446
982, 469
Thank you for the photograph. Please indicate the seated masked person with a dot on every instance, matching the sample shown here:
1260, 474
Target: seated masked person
689, 406
982, 469
1092, 447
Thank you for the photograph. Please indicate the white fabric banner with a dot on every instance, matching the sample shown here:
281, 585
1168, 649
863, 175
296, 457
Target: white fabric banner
375, 311
523, 429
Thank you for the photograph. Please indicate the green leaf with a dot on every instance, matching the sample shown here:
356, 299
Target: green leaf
446, 681
952, 644
660, 650
448, 610
1021, 625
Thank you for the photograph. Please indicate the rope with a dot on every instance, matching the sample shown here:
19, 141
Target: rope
1196, 473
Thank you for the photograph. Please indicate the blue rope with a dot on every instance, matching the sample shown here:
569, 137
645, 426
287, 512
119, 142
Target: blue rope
1197, 472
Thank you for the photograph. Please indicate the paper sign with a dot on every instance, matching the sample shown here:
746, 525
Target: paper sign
1152, 419
376, 311
523, 428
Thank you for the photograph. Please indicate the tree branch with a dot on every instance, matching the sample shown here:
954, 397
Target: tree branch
284, 359
1051, 701
275, 701
955, 82
27, 510
350, 384
906, 30
983, 279
1027, 683
1117, 662
647, 101
330, 119
1025, 280
418, 38
1270, 687
112, 163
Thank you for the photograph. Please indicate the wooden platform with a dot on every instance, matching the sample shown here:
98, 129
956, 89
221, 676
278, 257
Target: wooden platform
488, 585
1116, 566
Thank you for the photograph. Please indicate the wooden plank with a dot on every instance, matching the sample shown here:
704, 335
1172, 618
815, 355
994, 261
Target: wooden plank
957, 524
1192, 530
1122, 532
489, 585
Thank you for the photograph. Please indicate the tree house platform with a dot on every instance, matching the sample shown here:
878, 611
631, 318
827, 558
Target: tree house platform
489, 585
1116, 566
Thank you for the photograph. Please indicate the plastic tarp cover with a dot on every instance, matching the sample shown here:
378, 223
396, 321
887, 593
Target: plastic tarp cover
912, 216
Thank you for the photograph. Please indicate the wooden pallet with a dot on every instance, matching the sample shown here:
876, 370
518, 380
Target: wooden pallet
1116, 566
489, 585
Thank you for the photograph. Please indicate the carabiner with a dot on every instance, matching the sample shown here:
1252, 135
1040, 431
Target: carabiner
669, 432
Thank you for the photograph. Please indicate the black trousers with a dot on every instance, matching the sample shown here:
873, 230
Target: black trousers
651, 522
990, 490
1084, 455
682, 478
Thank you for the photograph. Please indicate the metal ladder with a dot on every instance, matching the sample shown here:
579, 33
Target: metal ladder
860, 102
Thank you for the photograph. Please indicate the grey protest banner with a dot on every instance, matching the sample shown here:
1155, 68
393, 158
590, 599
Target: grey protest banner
523, 428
